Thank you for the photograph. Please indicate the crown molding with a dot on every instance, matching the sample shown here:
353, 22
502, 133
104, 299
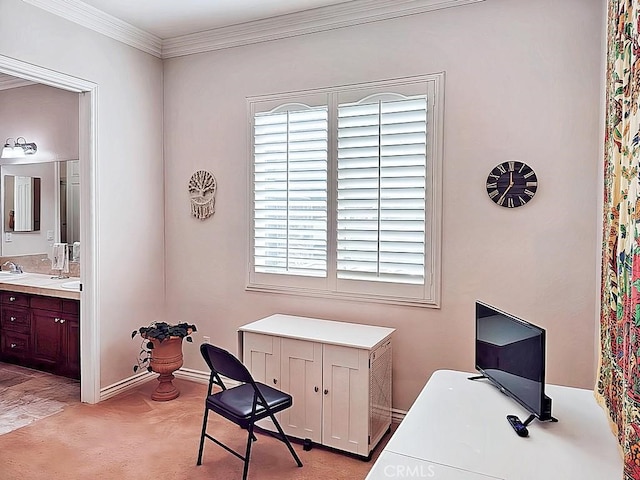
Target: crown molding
94, 19
320, 19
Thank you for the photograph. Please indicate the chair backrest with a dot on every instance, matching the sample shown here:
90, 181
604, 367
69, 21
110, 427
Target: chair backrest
225, 363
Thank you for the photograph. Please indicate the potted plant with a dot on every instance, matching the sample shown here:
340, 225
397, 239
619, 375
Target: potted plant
161, 352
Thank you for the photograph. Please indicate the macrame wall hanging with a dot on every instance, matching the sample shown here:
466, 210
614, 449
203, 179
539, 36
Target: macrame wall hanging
202, 193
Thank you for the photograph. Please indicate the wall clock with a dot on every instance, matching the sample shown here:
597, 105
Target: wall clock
512, 184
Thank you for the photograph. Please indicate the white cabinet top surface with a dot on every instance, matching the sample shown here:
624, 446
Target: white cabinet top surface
317, 330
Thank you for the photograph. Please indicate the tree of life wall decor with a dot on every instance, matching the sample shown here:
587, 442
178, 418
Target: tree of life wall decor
202, 194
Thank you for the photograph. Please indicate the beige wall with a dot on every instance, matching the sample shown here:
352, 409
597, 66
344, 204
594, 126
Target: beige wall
49, 117
522, 82
45, 115
129, 209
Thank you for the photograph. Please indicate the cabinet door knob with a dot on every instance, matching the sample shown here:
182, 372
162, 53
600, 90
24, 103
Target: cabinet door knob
13, 319
56, 319
14, 345
315, 389
275, 381
326, 391
62, 320
12, 299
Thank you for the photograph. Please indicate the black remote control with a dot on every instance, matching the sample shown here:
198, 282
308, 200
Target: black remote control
518, 426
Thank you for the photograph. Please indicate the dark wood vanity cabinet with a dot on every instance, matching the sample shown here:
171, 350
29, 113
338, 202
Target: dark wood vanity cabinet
54, 335
41, 332
15, 326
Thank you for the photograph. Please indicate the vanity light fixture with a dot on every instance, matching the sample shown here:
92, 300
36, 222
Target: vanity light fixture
7, 151
18, 148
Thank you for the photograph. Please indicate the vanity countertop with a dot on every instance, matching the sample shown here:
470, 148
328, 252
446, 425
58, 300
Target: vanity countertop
39, 284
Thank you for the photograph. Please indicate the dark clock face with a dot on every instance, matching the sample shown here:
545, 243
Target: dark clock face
512, 184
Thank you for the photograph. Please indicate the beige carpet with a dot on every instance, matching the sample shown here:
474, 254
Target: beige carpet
133, 437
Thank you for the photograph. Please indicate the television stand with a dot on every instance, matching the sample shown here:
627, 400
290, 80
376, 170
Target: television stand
533, 417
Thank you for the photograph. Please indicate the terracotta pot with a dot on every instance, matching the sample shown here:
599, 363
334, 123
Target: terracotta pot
166, 358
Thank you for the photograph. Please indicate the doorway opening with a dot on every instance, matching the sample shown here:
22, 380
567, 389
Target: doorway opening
87, 135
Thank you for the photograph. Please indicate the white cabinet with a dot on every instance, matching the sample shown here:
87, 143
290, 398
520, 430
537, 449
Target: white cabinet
339, 375
345, 409
262, 358
301, 371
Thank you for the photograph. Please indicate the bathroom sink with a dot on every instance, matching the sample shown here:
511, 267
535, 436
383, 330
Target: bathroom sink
75, 285
5, 275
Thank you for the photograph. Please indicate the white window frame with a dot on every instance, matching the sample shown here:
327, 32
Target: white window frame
428, 295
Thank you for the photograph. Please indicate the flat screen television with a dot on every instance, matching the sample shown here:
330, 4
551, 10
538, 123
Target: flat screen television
510, 353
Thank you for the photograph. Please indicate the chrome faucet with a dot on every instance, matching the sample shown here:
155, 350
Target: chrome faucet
13, 268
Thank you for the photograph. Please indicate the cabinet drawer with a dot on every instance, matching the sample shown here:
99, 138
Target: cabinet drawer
15, 344
13, 298
71, 306
16, 319
46, 303
55, 304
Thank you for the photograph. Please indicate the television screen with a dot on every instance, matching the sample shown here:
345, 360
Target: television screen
510, 352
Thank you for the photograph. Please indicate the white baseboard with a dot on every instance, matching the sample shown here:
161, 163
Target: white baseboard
192, 375
126, 384
197, 376
122, 386
397, 415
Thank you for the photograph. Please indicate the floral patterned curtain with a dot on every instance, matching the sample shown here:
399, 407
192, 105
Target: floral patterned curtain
618, 387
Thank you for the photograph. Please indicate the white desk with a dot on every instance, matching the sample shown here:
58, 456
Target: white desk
457, 430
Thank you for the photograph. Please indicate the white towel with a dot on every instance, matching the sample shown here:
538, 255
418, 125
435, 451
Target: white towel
60, 257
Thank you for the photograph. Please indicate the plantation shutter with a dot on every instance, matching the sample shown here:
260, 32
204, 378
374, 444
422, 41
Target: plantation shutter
290, 191
381, 190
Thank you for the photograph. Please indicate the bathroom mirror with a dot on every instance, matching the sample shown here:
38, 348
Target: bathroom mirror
59, 204
69, 207
21, 203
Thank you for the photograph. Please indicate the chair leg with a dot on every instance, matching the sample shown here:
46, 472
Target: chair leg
286, 441
247, 454
204, 430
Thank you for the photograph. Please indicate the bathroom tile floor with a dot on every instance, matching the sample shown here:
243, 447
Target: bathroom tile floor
28, 395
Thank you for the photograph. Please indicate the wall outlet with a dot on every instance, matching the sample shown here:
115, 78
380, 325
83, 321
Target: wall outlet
8, 237
206, 339
49, 234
